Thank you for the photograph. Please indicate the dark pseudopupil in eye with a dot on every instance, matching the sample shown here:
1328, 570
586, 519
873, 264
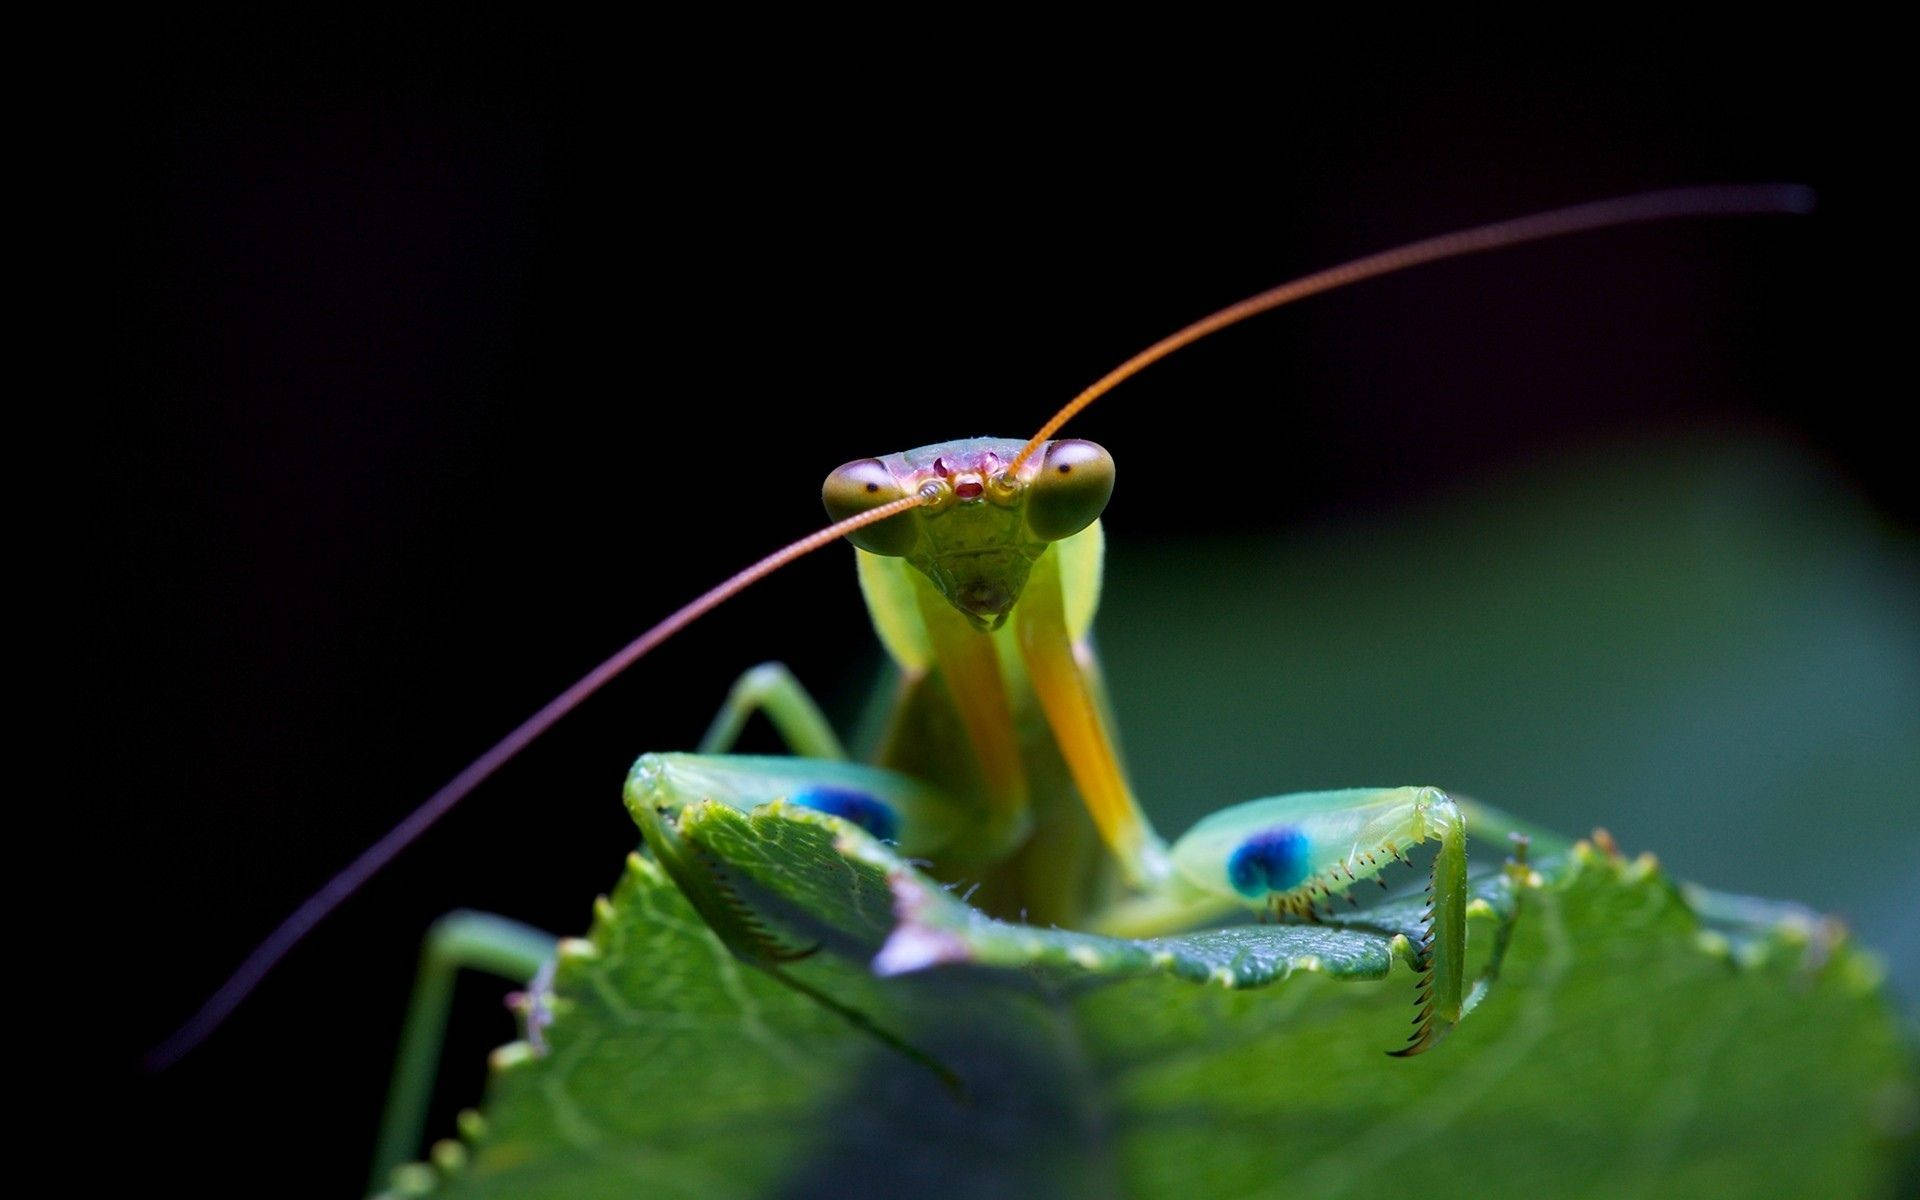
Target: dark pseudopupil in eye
1071, 495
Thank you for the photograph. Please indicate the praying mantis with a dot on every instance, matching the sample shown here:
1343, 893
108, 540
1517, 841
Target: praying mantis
1271, 857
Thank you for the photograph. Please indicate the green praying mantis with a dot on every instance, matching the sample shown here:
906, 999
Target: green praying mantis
983, 589
980, 563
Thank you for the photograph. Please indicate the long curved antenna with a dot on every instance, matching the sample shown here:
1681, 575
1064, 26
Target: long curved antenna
315, 908
1710, 201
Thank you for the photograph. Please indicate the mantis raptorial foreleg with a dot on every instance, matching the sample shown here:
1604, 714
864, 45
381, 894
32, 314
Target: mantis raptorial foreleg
1289, 856
887, 805
467, 940
892, 807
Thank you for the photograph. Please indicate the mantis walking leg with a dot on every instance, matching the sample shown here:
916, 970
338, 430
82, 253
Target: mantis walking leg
461, 939
771, 689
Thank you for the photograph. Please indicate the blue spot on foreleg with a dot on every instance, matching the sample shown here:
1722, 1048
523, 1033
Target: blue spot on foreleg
1273, 860
873, 815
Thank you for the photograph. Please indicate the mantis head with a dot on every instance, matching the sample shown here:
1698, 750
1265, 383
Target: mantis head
985, 513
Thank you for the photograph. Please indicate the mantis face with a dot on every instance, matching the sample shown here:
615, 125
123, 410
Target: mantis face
982, 524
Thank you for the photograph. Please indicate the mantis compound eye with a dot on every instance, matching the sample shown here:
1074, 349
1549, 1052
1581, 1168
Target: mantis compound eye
864, 484
1071, 489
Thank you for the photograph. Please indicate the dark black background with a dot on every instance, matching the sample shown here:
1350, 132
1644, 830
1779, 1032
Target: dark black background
460, 355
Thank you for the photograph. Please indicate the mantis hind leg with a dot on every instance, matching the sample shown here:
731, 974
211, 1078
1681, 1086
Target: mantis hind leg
461, 939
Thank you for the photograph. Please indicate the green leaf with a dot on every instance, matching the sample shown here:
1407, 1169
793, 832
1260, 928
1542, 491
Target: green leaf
1628, 1048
